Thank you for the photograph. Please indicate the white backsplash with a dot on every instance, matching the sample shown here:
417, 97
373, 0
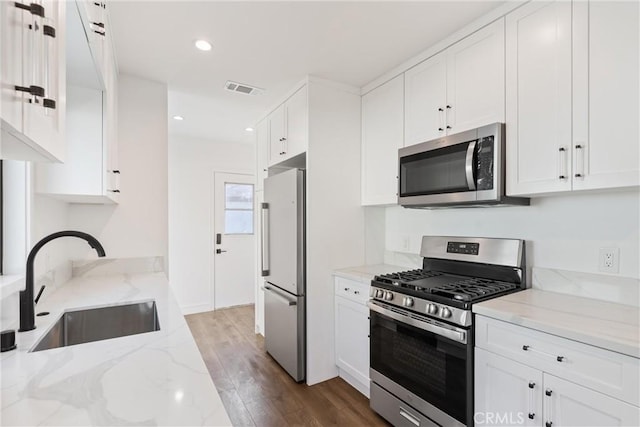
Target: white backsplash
109, 266
621, 290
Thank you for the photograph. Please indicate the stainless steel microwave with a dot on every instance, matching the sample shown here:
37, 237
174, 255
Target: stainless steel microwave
461, 170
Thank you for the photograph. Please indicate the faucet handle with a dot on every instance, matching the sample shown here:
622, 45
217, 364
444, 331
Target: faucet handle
39, 294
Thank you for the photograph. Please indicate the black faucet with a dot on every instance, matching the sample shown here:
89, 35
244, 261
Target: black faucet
27, 304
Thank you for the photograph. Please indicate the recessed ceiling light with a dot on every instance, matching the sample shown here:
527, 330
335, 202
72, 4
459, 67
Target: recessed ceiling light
203, 45
249, 129
179, 118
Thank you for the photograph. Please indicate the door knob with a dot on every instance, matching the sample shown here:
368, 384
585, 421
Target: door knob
219, 251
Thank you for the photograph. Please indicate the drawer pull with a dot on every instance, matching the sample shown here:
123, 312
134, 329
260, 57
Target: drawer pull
358, 293
548, 392
346, 289
525, 347
560, 358
532, 384
548, 424
531, 416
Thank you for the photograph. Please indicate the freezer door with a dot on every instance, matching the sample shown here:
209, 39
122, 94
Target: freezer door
284, 330
283, 217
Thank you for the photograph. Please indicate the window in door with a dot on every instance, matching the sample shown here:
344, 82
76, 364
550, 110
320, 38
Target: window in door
238, 208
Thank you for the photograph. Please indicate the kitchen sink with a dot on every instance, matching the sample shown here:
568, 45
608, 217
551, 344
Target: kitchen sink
96, 324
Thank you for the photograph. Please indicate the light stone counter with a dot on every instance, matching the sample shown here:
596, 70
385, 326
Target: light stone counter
157, 378
603, 324
365, 273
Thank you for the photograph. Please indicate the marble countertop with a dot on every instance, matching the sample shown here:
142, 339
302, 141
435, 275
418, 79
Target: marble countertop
156, 378
603, 324
365, 273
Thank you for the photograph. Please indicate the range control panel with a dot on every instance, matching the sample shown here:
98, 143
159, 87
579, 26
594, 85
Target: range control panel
463, 248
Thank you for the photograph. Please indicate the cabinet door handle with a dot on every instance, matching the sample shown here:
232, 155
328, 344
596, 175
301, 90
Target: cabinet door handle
34, 8
562, 153
441, 119
531, 414
113, 191
579, 158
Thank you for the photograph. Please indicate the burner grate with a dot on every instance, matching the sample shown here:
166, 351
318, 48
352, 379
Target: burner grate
403, 277
472, 289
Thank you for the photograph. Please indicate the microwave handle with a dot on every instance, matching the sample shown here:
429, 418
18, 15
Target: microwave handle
469, 168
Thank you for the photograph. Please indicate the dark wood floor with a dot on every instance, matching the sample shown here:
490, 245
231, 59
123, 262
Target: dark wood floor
254, 388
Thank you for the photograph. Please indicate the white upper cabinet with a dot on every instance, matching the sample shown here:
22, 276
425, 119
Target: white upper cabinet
90, 173
289, 128
458, 89
538, 126
606, 94
475, 80
297, 123
572, 96
33, 80
262, 152
425, 98
382, 136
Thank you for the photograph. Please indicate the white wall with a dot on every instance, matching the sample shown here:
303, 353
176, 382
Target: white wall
562, 232
138, 225
192, 163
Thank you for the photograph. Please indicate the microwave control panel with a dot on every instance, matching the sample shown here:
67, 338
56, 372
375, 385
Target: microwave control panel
484, 165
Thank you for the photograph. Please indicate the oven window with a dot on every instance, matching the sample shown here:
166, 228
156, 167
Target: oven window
428, 365
434, 172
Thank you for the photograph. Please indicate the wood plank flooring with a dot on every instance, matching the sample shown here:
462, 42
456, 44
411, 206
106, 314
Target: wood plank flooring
256, 391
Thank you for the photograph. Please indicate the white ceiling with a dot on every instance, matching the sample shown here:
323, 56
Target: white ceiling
272, 45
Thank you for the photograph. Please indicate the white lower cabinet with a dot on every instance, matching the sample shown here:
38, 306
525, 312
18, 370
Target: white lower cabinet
523, 392
352, 332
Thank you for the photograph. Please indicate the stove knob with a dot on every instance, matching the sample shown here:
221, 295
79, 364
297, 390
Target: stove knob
379, 293
432, 309
408, 302
446, 313
388, 296
372, 293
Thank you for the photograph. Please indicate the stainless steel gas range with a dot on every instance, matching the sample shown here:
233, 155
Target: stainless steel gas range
421, 328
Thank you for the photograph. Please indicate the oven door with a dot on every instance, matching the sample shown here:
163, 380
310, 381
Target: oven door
430, 360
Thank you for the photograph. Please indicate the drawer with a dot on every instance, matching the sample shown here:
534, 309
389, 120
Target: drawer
352, 290
396, 411
601, 370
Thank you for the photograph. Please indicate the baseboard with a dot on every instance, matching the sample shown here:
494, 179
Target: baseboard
193, 309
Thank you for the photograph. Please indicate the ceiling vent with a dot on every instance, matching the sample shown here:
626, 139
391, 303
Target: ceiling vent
242, 88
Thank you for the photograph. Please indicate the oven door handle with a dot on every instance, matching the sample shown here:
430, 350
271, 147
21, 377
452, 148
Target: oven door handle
460, 336
469, 169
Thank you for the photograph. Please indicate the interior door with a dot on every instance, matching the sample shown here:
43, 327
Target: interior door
233, 240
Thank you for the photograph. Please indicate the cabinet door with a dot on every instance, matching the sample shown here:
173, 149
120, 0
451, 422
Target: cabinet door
352, 339
506, 392
111, 165
45, 126
382, 136
276, 135
262, 149
11, 37
606, 94
475, 80
538, 98
568, 404
296, 114
425, 95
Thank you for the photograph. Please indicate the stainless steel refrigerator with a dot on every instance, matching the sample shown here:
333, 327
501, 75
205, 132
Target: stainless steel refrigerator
283, 269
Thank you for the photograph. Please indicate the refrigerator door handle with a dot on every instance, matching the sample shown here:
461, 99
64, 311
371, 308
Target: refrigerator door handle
265, 239
281, 297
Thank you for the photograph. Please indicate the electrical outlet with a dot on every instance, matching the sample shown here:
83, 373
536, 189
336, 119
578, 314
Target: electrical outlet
608, 260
